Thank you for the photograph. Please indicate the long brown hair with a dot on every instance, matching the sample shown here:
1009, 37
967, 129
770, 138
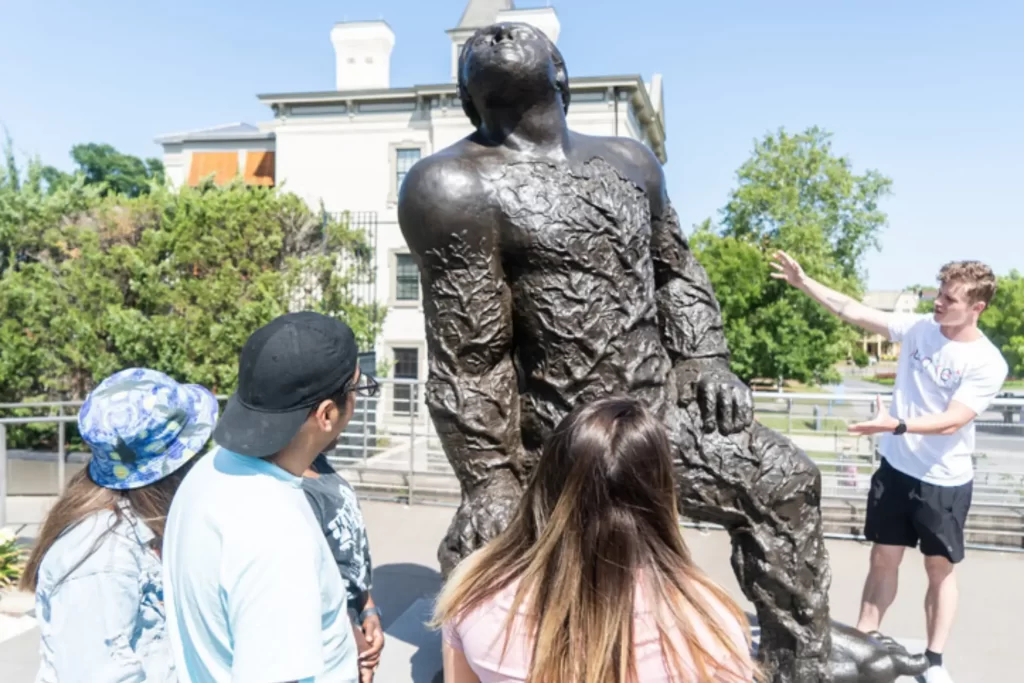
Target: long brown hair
599, 517
83, 497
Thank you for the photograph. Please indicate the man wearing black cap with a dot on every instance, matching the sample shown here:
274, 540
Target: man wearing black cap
251, 587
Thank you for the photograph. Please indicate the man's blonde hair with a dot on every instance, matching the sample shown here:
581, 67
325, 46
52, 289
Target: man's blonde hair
979, 280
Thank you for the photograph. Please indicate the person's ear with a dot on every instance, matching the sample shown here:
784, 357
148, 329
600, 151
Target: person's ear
324, 419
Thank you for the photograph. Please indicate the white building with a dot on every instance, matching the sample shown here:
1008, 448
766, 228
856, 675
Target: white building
903, 302
349, 148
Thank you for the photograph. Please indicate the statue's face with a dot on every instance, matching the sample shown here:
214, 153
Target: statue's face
505, 58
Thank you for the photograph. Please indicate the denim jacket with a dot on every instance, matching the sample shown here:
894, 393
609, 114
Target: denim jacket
105, 622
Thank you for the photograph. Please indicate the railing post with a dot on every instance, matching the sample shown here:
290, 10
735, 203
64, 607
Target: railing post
61, 454
366, 425
3, 476
413, 393
789, 416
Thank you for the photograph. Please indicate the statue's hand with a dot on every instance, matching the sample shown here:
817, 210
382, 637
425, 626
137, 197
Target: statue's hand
726, 403
484, 513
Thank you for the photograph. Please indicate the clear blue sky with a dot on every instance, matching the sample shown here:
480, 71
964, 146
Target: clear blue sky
929, 93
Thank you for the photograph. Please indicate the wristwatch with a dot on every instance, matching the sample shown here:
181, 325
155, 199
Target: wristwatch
901, 428
370, 612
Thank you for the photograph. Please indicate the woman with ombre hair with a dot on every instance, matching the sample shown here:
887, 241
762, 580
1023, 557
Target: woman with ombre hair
592, 582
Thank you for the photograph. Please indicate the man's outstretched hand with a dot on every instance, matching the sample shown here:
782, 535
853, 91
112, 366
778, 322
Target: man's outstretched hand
786, 268
882, 421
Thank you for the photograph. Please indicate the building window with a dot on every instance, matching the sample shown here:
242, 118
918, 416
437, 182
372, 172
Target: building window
405, 158
407, 366
407, 278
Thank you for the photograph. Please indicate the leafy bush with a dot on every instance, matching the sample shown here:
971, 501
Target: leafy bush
172, 280
860, 357
12, 560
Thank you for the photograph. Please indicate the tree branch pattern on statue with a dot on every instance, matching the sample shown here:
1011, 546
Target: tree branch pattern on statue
555, 273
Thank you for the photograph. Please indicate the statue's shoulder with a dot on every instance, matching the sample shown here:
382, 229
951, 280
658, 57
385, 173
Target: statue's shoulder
442, 195
631, 150
447, 178
639, 156
634, 160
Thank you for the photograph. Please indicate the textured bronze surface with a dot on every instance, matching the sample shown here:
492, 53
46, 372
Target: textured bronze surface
555, 272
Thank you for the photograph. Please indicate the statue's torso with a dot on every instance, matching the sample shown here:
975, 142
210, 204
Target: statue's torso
575, 248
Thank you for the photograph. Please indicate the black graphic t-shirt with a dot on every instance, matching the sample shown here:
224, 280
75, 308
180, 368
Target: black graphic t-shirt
336, 507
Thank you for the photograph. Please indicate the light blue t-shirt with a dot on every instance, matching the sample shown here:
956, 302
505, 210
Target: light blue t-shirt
251, 587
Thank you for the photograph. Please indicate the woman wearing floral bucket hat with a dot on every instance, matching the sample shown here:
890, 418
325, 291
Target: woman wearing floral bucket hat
95, 569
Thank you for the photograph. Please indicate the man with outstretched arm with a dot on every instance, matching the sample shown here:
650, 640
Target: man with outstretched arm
948, 373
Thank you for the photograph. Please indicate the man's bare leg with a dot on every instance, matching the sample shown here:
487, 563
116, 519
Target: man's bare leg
880, 586
940, 601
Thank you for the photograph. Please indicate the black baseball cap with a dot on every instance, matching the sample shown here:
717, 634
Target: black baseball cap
287, 367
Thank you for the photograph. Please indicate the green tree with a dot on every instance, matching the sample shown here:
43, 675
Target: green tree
796, 194
176, 281
1003, 321
114, 172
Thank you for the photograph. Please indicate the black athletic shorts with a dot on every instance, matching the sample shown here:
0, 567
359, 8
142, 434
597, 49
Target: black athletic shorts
903, 510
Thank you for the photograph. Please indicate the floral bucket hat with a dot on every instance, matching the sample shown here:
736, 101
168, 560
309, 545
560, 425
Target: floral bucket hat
142, 425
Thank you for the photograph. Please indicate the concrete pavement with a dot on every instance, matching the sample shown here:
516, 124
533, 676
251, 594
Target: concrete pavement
984, 645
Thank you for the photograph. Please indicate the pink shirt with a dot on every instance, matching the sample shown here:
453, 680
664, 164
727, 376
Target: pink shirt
480, 635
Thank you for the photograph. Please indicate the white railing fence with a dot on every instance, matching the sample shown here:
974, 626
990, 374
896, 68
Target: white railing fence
390, 449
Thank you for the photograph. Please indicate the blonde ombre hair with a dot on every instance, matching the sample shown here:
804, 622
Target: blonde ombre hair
598, 518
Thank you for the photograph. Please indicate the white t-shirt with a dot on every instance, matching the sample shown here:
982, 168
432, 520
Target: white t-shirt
932, 371
251, 588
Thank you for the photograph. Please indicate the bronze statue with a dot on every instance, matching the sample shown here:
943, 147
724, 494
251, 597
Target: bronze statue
555, 272
872, 659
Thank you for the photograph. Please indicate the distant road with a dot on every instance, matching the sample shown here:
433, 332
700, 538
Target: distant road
1009, 446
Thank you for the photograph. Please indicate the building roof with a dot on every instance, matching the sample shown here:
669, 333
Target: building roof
343, 96
480, 13
646, 112
887, 300
227, 131
882, 300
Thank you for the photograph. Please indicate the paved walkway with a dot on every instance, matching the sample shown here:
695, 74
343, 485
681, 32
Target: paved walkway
984, 647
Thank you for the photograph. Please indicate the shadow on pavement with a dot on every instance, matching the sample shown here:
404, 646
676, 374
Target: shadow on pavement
397, 586
19, 658
406, 593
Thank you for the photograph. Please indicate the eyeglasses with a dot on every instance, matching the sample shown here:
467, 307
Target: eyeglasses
366, 386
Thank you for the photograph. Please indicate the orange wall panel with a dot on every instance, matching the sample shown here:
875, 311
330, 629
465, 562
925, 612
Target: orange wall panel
224, 166
259, 168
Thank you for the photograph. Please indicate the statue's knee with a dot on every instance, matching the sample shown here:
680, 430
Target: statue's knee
776, 451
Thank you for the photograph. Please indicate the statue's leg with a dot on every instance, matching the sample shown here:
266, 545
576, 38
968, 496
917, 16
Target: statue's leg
767, 493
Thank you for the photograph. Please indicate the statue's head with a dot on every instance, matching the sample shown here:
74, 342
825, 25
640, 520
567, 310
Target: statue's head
507, 64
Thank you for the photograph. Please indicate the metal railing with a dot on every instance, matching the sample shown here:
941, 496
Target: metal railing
390, 449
